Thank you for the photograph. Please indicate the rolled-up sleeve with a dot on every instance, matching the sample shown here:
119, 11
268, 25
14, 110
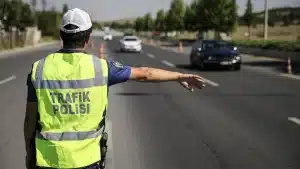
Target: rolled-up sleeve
118, 73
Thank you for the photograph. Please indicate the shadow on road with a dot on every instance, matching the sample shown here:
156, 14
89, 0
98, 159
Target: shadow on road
120, 51
210, 68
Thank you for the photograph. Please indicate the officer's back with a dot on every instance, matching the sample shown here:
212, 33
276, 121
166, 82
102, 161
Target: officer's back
67, 98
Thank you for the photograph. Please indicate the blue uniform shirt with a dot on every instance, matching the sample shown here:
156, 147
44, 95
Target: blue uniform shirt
118, 73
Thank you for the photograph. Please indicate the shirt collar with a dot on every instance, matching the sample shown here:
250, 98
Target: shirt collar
71, 51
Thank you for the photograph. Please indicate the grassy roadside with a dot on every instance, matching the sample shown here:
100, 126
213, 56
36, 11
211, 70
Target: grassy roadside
47, 39
282, 38
289, 46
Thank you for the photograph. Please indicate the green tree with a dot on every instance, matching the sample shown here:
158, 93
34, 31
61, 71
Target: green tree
160, 24
128, 25
217, 15
115, 25
271, 22
15, 13
5, 7
48, 23
97, 25
234, 15
139, 24
27, 18
190, 18
175, 16
249, 16
65, 8
148, 22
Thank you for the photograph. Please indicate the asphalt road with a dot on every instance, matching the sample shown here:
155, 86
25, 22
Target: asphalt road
245, 120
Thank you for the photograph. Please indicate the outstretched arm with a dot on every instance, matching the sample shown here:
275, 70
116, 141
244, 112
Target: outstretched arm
147, 74
119, 73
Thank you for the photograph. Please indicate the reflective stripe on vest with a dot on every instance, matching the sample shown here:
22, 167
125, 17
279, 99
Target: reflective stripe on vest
71, 110
69, 135
99, 80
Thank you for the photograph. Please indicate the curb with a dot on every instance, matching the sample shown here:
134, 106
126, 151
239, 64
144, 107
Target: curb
7, 53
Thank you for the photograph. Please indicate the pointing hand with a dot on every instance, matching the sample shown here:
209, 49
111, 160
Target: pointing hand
190, 82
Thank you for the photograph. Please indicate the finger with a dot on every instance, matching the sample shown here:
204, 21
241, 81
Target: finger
184, 84
187, 86
199, 79
198, 84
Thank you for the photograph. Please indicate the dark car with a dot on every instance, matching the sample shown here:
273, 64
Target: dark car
215, 52
128, 34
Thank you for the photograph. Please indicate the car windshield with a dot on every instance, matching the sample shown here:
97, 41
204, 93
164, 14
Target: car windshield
208, 46
130, 39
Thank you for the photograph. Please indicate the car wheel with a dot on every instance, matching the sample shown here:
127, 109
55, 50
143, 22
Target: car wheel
202, 65
238, 67
234, 67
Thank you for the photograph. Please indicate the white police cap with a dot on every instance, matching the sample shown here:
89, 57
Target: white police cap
76, 17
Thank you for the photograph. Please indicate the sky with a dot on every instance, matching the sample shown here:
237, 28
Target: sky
106, 10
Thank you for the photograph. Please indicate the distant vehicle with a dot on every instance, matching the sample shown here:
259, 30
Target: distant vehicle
106, 29
128, 34
130, 44
107, 36
215, 52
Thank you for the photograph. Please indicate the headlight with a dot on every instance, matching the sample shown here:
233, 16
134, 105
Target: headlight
237, 57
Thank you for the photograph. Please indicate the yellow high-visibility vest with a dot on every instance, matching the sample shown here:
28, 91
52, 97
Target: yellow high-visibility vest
72, 99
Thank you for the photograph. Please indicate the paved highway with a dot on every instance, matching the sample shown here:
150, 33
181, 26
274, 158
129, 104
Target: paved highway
245, 120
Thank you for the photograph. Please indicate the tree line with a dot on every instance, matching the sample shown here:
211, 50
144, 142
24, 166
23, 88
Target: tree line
19, 15
203, 15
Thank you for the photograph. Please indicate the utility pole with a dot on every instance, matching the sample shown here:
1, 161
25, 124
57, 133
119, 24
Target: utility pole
266, 21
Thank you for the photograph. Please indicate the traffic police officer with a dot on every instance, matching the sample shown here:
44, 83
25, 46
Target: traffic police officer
67, 98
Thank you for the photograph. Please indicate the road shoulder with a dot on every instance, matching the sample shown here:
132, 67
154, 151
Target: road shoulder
7, 53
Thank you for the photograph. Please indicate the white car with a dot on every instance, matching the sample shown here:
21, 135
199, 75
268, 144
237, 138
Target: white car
131, 44
107, 36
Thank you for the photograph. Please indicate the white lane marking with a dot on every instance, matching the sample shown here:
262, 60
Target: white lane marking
150, 55
290, 76
212, 83
7, 79
110, 149
168, 63
294, 119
